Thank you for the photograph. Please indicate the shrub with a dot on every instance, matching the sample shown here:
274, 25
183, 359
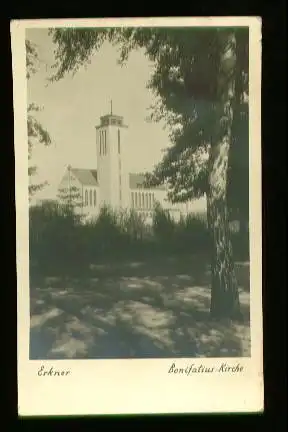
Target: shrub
59, 242
164, 228
192, 234
55, 238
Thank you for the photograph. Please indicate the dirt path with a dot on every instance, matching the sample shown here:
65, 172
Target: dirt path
132, 317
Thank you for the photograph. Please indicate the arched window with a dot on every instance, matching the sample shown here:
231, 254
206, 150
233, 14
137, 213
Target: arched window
119, 141
91, 198
146, 201
105, 143
86, 198
95, 198
143, 202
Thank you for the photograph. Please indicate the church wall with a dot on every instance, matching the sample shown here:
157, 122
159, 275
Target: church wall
123, 174
116, 168
90, 205
103, 165
112, 171
143, 201
113, 178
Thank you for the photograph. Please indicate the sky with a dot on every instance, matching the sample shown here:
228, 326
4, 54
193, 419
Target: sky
71, 109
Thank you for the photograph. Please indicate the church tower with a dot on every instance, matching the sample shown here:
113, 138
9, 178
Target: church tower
111, 142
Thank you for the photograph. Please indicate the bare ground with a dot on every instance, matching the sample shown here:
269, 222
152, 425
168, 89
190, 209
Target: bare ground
135, 310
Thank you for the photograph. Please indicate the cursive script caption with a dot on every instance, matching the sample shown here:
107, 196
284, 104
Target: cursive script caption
52, 372
192, 369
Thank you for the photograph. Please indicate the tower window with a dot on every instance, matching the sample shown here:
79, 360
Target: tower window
86, 198
95, 200
143, 203
146, 201
105, 143
91, 198
118, 141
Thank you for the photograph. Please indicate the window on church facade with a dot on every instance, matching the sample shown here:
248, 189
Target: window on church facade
136, 200
118, 141
105, 143
146, 201
101, 134
86, 198
102, 143
95, 198
91, 198
143, 198
132, 200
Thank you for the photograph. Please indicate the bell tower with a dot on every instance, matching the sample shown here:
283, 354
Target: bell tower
111, 142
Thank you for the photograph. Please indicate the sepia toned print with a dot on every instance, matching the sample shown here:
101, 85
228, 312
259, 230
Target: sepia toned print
139, 197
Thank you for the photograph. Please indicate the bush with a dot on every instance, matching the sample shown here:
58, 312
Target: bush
164, 228
55, 239
59, 242
192, 234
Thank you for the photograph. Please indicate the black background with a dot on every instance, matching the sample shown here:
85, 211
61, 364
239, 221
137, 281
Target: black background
273, 195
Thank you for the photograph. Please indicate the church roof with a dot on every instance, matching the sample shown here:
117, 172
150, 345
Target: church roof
87, 177
136, 181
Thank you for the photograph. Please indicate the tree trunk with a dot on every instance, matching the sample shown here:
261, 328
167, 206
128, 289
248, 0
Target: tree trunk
224, 290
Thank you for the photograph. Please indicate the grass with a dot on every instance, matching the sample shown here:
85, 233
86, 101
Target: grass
143, 309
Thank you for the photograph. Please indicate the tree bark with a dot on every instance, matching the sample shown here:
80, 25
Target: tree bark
224, 290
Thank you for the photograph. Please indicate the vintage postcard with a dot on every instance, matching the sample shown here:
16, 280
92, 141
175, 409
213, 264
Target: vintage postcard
138, 208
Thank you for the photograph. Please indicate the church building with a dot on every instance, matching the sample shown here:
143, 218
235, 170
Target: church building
112, 185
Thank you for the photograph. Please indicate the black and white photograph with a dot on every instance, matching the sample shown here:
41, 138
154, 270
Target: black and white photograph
138, 226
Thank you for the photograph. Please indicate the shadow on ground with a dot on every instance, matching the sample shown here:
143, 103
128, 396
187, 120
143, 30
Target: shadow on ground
134, 310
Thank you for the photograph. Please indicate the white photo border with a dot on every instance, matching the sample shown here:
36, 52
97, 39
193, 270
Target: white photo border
137, 386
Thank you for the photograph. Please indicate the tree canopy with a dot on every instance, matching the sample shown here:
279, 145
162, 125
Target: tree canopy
36, 133
187, 86
200, 81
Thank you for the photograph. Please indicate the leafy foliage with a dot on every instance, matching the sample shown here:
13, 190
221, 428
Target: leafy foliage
31, 58
200, 81
70, 197
60, 242
36, 133
187, 85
